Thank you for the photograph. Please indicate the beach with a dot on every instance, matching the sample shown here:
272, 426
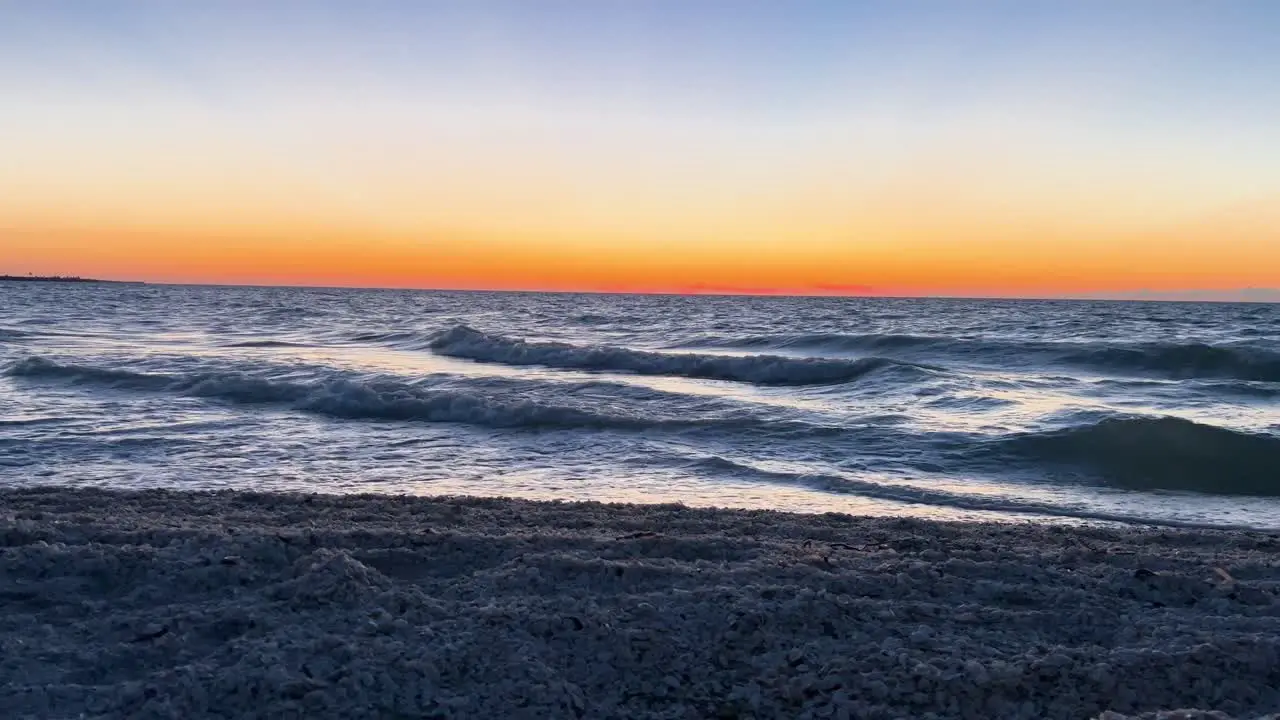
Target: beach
166, 604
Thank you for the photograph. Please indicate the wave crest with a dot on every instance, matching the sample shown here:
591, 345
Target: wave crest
1153, 453
1192, 360
465, 342
1171, 360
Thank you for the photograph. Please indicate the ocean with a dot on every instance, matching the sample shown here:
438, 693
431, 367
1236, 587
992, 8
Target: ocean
1052, 411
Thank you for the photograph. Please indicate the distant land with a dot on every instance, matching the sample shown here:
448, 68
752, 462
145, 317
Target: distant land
61, 278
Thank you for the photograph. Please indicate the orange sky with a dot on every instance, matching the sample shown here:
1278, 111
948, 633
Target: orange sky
560, 203
907, 260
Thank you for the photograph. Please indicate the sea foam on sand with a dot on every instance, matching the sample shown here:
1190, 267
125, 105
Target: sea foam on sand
181, 605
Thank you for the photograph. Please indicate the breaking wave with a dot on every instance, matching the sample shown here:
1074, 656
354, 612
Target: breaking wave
1171, 360
464, 342
1159, 453
389, 398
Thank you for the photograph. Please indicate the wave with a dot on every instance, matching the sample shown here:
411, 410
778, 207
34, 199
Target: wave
598, 319
10, 335
388, 338
1191, 360
30, 421
464, 342
1246, 388
1175, 398
1172, 360
297, 312
1159, 453
390, 398
915, 495
39, 367
265, 344
835, 342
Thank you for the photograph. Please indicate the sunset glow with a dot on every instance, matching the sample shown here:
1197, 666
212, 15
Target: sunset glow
825, 147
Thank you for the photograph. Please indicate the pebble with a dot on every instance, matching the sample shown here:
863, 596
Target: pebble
374, 616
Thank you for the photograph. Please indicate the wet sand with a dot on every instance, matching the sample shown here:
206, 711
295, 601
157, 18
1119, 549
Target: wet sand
234, 605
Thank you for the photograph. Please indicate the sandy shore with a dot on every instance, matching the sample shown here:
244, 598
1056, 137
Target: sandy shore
170, 605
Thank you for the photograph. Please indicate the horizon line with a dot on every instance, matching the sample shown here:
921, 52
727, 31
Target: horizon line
1116, 296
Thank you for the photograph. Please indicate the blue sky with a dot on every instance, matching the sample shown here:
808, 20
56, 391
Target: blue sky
1199, 57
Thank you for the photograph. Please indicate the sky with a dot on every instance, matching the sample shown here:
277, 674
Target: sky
1021, 148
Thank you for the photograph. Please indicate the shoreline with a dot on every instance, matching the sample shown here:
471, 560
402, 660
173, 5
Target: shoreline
196, 604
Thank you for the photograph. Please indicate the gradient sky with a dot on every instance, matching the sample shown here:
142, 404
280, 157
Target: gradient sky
896, 147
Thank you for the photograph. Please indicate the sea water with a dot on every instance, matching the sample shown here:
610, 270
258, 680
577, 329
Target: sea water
958, 409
